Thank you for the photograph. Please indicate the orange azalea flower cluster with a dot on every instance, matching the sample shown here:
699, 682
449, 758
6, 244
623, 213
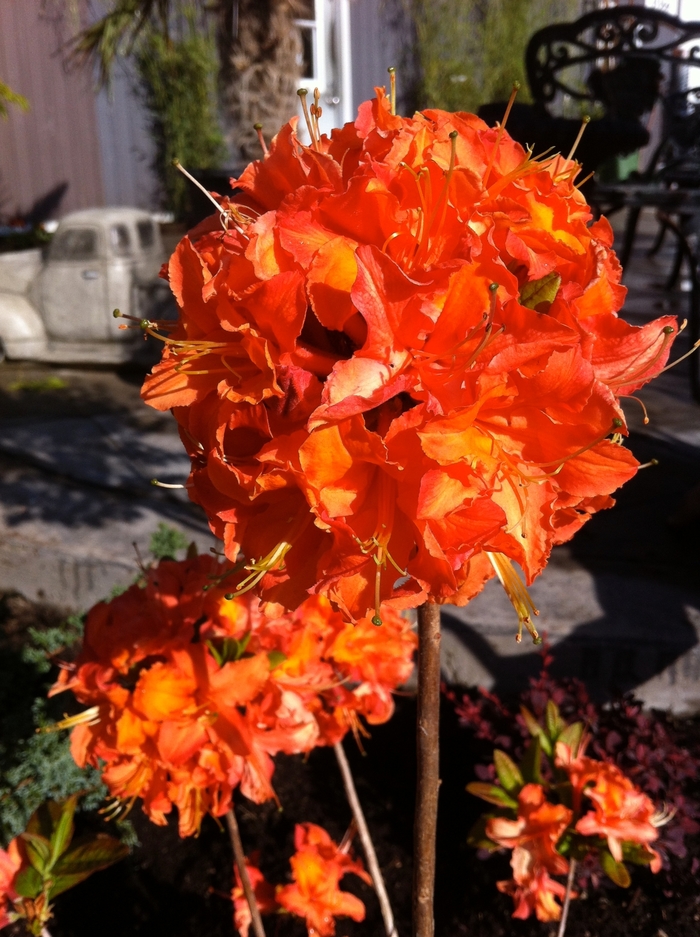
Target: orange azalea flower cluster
191, 693
621, 816
317, 868
398, 368
11, 863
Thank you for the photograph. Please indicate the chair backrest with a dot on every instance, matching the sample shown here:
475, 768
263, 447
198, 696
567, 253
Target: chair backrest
614, 58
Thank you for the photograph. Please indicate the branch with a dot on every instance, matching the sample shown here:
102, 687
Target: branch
239, 858
366, 840
428, 779
567, 898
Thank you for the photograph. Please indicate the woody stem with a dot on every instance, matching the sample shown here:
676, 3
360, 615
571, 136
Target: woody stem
366, 840
567, 898
239, 859
428, 776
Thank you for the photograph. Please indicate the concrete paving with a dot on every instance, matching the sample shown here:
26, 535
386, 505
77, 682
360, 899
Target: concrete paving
620, 604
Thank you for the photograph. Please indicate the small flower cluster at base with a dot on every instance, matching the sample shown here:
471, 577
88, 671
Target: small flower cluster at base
318, 865
549, 823
191, 693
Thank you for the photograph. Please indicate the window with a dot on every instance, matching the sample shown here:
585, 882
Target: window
147, 234
308, 24
78, 244
120, 239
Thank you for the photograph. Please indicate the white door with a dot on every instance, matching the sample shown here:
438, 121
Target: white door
325, 33
73, 287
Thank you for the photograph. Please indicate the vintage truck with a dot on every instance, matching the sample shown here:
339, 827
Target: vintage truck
57, 304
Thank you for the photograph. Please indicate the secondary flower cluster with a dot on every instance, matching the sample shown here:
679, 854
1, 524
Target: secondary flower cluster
191, 693
398, 368
318, 865
598, 811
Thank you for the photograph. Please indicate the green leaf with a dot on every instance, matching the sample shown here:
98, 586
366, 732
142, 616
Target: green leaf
477, 837
38, 851
634, 852
90, 856
536, 731
29, 883
276, 658
63, 831
508, 772
229, 649
553, 721
531, 765
571, 736
540, 294
616, 871
492, 794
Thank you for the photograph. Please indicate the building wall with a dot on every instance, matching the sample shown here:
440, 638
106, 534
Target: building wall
56, 141
95, 143
382, 35
126, 148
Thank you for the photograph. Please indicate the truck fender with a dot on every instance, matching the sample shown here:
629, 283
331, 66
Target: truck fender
22, 332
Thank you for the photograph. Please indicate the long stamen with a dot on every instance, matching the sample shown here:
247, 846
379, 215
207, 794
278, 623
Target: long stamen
392, 89
616, 424
682, 357
261, 139
517, 593
624, 377
641, 404
89, 717
178, 165
259, 568
502, 127
584, 123
302, 92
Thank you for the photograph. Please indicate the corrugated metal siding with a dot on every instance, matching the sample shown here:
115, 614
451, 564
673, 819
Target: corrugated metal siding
382, 35
57, 140
127, 148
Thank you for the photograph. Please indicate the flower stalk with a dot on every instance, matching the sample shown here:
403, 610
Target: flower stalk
366, 840
239, 859
428, 773
567, 898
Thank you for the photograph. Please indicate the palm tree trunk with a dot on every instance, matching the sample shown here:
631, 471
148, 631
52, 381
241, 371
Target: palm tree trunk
260, 50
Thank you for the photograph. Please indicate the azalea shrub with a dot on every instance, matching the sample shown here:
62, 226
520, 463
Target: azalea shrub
190, 693
580, 808
651, 748
317, 866
398, 363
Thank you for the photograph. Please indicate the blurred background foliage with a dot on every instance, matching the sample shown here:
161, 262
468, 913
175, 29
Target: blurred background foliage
471, 51
177, 78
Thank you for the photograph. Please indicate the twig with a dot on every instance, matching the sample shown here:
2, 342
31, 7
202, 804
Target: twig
428, 778
567, 898
366, 840
239, 858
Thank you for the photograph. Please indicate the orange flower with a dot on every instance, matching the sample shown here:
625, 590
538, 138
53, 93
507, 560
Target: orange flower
317, 867
398, 369
197, 700
621, 813
10, 865
537, 892
533, 837
264, 896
